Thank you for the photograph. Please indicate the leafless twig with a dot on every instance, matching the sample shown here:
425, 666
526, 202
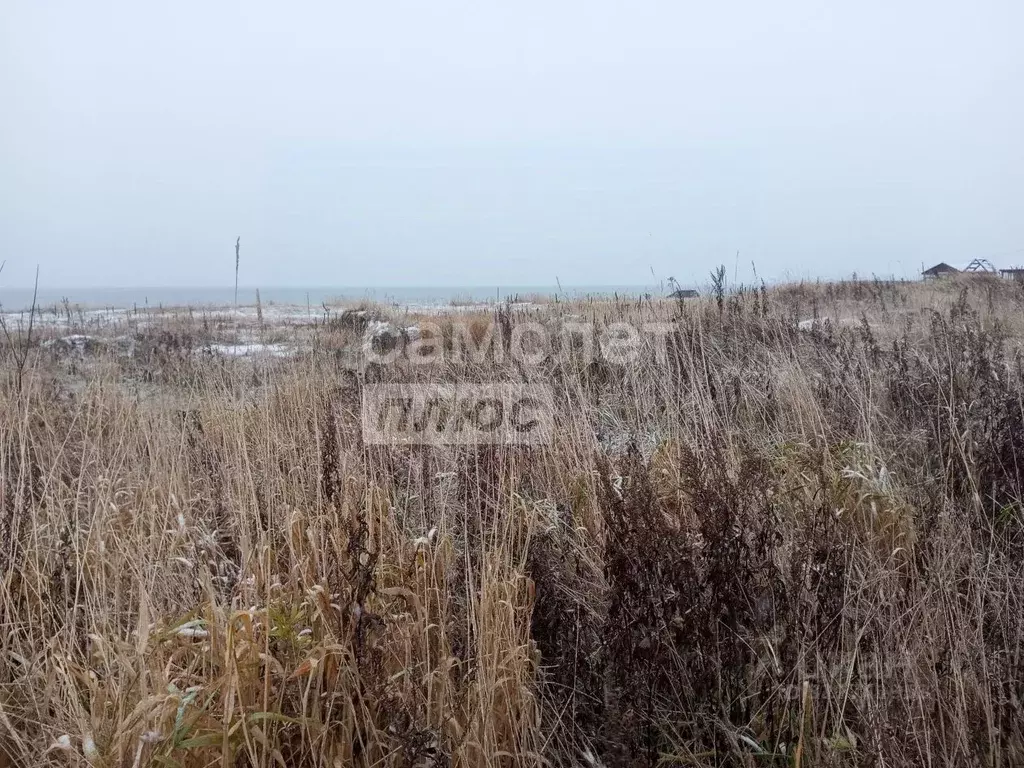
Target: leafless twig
20, 350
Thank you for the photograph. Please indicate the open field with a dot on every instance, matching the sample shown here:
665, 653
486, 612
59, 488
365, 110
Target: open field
789, 532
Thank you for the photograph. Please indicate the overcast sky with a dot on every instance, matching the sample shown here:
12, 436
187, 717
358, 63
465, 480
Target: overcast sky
469, 143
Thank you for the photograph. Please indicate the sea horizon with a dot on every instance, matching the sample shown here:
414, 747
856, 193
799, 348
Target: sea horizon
127, 297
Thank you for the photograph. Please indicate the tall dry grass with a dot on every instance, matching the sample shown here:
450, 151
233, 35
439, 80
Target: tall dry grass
771, 546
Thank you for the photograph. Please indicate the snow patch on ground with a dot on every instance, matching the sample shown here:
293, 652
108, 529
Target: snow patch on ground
843, 322
250, 349
92, 318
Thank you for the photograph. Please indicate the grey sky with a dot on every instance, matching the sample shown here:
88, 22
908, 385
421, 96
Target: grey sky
416, 143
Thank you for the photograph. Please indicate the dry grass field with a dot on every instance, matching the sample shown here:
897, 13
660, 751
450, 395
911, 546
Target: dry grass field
771, 542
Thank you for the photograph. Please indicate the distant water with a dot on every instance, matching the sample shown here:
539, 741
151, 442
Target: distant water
14, 299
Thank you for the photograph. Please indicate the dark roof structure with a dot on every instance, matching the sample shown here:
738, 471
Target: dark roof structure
683, 293
940, 269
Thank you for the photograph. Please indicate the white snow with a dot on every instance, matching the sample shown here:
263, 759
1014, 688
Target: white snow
251, 349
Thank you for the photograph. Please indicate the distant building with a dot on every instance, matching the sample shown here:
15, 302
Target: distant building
980, 266
942, 269
1013, 273
683, 293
